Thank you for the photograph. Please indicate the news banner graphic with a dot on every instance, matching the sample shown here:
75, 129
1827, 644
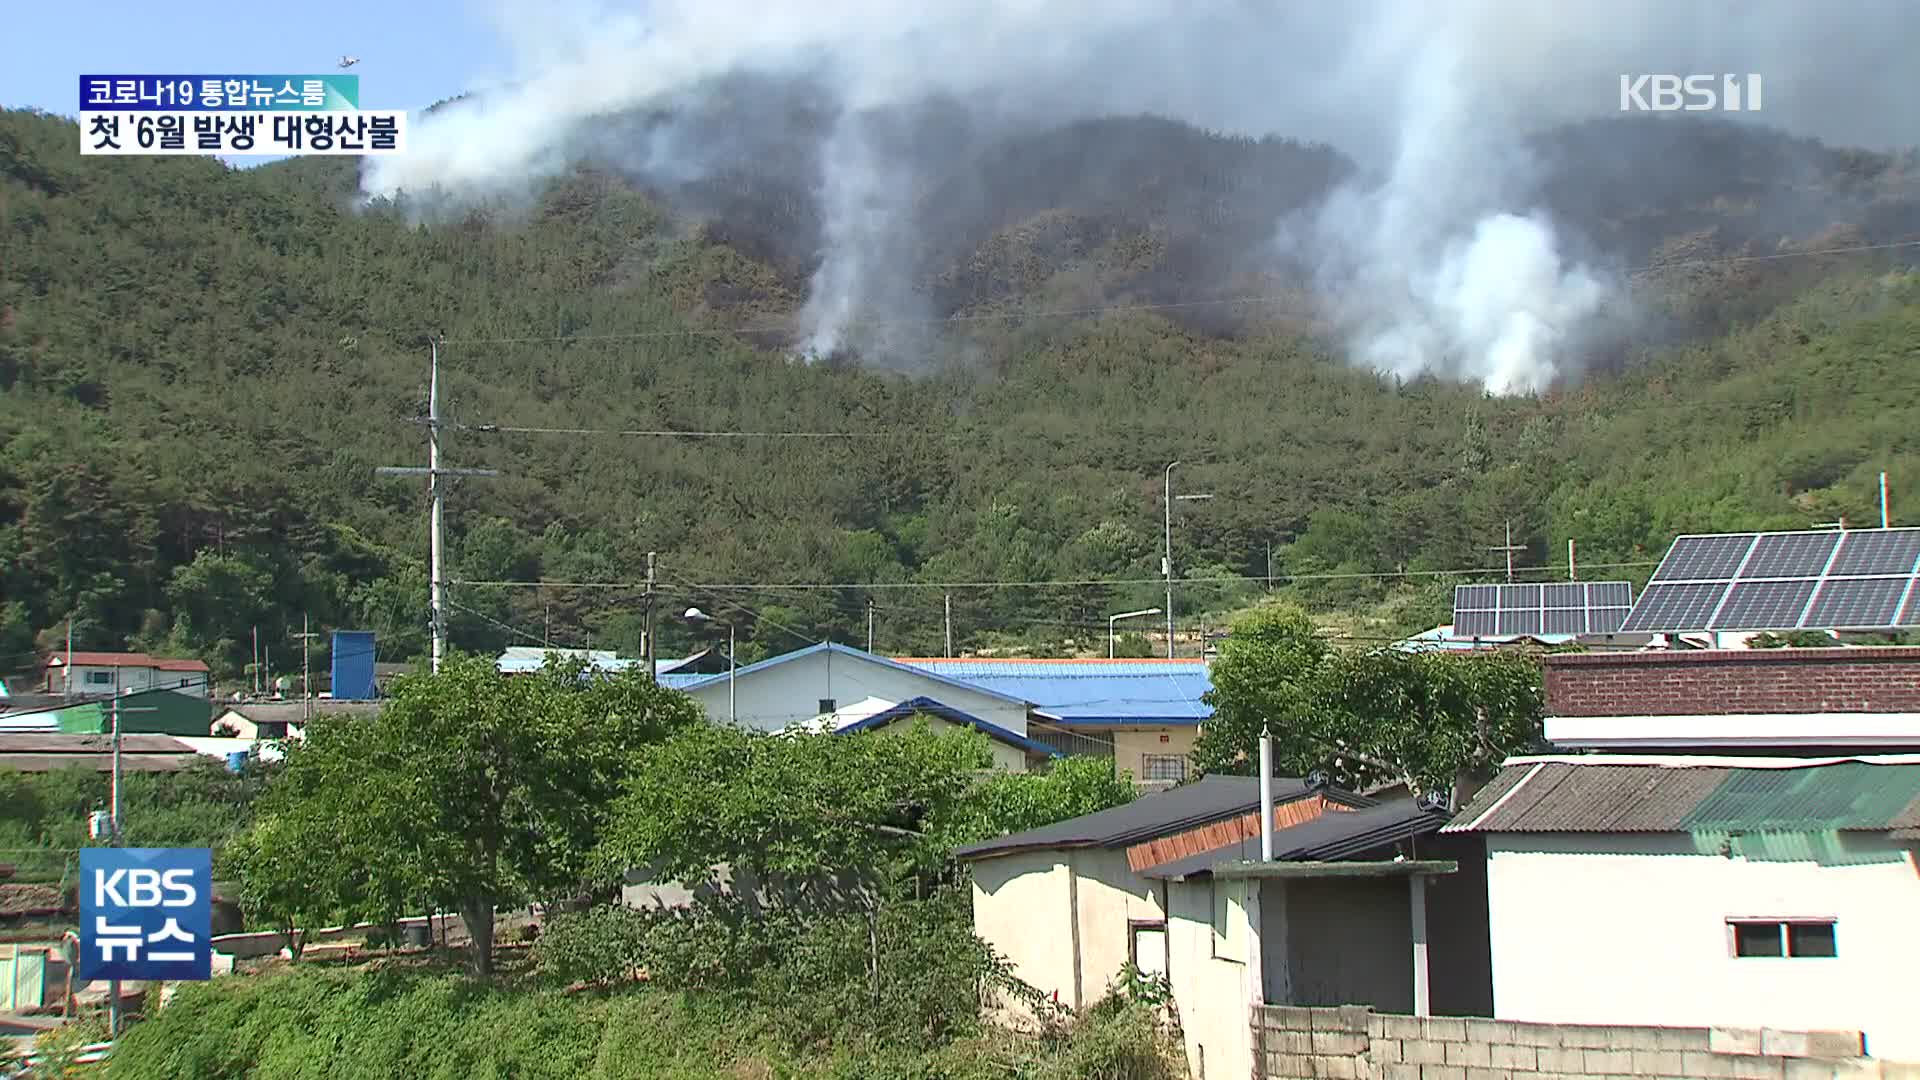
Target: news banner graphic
281, 115
146, 913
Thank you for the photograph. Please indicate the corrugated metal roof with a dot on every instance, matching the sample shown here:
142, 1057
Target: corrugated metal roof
1602, 797
1851, 795
1090, 691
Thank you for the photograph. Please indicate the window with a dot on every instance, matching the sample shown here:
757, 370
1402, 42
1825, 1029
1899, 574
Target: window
1147, 947
1796, 938
1163, 767
99, 678
827, 705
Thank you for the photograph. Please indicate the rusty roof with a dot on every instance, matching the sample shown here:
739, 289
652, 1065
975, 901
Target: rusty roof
1557, 796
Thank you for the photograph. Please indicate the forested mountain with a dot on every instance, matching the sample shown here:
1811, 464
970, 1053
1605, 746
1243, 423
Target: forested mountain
200, 368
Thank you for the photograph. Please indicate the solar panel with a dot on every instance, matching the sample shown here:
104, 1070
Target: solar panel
1675, 607
1855, 602
1571, 607
1888, 551
1764, 605
1790, 555
1699, 557
1808, 580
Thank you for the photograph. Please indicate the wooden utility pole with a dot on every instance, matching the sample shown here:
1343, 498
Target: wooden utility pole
648, 654
1509, 547
306, 672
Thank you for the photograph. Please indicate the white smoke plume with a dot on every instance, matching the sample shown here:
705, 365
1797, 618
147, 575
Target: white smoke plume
1439, 258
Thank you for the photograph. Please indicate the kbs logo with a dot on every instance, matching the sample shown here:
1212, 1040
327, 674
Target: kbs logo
1689, 93
146, 913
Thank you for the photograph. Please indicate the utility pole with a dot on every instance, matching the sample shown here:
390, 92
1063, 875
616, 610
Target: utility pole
869, 624
66, 689
1510, 547
306, 671
1883, 501
948, 597
1166, 562
256, 661
1269, 566
433, 472
115, 838
1571, 575
648, 654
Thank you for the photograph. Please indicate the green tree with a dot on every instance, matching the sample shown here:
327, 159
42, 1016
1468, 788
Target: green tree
468, 790
1435, 721
792, 807
1265, 677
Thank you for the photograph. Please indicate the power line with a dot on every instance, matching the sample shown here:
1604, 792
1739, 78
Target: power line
717, 588
669, 432
1103, 309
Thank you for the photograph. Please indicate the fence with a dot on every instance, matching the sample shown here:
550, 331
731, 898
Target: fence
1355, 1043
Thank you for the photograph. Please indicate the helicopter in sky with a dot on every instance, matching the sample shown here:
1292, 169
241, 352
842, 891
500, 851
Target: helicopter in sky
348, 61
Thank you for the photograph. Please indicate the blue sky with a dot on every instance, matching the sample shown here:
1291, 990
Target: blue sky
412, 52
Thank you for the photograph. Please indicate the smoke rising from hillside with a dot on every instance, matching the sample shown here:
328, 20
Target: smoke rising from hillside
1439, 257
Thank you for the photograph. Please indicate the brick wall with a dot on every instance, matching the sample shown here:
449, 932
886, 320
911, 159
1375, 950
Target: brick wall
1720, 682
1358, 1044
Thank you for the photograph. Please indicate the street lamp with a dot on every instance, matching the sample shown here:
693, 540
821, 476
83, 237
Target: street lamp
700, 618
1166, 563
1111, 619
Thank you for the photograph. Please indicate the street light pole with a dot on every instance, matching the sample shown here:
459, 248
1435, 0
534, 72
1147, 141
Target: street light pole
1166, 562
695, 615
1112, 619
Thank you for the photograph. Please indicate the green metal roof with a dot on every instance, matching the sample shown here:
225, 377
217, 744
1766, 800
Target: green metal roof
1848, 795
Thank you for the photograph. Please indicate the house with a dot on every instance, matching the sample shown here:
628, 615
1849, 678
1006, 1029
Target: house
1011, 751
528, 659
800, 686
167, 712
1705, 891
1361, 904
1740, 827
110, 673
38, 752
252, 720
1143, 714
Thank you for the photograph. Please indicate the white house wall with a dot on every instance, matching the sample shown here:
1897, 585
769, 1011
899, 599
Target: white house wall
1631, 929
192, 683
1021, 906
789, 693
1214, 993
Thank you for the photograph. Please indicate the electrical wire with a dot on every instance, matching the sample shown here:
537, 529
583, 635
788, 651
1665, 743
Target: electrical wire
716, 588
1103, 309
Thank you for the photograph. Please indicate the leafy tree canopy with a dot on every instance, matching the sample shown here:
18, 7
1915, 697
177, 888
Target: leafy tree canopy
1366, 716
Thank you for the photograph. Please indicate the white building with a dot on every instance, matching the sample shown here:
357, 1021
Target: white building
845, 689
1737, 847
94, 673
1699, 891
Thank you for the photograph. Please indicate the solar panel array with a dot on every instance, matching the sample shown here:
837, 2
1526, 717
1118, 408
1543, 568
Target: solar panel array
1861, 579
1571, 607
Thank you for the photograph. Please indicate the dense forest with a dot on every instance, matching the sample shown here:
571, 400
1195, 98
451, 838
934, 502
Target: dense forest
200, 368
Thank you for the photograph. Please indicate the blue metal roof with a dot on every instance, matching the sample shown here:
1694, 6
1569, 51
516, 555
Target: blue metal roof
858, 654
1090, 691
677, 681
930, 707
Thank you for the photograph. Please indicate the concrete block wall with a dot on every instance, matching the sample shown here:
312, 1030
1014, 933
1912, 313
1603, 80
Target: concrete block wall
1355, 1043
1734, 681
